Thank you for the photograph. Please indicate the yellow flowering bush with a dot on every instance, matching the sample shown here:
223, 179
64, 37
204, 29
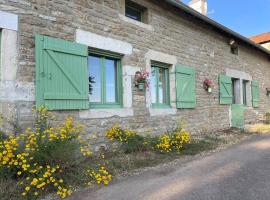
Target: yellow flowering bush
130, 140
174, 140
119, 134
41, 158
100, 175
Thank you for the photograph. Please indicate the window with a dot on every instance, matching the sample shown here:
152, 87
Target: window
244, 86
234, 50
135, 11
235, 91
105, 80
160, 85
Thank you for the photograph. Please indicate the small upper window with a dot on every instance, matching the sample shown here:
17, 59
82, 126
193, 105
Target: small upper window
135, 11
234, 50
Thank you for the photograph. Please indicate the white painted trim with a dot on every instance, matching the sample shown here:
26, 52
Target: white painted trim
105, 113
104, 43
137, 23
8, 21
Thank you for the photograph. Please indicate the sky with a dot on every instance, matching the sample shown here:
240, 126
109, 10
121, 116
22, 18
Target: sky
247, 17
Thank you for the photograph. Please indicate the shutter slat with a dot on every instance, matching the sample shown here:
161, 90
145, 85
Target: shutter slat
255, 94
185, 87
225, 90
61, 79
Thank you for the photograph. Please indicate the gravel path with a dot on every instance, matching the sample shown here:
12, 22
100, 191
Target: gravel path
241, 172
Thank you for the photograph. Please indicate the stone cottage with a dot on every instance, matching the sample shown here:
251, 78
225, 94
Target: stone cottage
80, 57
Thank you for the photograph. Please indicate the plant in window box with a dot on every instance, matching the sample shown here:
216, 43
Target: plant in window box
208, 85
141, 79
268, 92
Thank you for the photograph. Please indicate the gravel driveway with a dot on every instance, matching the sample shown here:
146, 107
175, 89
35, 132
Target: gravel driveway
241, 172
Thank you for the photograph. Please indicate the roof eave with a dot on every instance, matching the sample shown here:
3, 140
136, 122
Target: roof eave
216, 25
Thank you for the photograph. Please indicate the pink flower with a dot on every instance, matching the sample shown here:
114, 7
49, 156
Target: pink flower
208, 83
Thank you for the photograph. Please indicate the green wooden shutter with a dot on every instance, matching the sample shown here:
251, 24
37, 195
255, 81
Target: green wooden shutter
185, 87
255, 94
61, 74
225, 89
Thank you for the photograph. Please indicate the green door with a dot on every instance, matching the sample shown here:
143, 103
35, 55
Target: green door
237, 118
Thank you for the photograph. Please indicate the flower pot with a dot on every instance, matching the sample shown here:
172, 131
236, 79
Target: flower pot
209, 89
141, 86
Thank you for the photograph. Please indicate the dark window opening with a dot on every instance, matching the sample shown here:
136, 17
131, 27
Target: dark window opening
235, 91
245, 92
234, 50
135, 11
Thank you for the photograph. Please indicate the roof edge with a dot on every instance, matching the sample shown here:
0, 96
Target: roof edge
217, 25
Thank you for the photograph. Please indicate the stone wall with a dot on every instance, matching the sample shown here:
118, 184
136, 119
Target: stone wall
169, 31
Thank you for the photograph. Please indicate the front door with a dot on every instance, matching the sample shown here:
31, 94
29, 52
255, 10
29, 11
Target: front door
237, 108
237, 115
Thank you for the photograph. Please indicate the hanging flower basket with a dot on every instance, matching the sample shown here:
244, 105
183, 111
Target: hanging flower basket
141, 86
208, 85
141, 79
268, 92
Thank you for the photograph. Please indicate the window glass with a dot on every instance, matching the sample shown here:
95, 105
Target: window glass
162, 86
153, 85
104, 81
111, 82
94, 79
159, 86
234, 90
245, 92
133, 13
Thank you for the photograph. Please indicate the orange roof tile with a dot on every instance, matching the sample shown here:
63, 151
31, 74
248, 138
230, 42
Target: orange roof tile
262, 38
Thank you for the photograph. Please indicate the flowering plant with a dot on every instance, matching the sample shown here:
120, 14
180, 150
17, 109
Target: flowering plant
141, 79
142, 76
208, 83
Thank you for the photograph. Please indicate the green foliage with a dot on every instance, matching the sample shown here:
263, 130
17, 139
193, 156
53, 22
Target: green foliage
267, 118
134, 144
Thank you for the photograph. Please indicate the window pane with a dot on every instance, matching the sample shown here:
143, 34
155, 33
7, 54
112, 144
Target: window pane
162, 86
244, 92
133, 13
153, 86
111, 80
94, 68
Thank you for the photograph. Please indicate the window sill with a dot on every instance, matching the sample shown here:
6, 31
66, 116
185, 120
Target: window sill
162, 111
105, 113
137, 23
